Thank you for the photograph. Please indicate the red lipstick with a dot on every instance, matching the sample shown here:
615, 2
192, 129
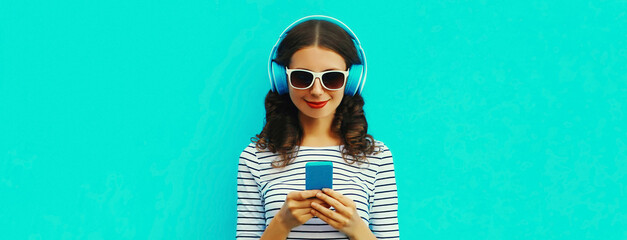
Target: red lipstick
317, 104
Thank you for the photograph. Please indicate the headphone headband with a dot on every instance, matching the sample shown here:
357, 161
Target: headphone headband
357, 74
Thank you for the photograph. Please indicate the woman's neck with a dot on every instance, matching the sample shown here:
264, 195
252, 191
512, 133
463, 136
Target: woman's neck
317, 131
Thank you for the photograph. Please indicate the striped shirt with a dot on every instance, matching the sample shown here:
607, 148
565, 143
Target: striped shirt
262, 189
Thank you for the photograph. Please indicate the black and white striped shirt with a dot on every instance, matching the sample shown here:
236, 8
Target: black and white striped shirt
262, 189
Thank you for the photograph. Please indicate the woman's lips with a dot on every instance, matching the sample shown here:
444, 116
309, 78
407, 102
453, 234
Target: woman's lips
317, 104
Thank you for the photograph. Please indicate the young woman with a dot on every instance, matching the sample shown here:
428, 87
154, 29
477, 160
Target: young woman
314, 112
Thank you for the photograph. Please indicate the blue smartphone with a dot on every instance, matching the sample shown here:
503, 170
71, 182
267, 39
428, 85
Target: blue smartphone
319, 175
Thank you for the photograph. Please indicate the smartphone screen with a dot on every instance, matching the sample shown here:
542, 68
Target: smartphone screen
319, 175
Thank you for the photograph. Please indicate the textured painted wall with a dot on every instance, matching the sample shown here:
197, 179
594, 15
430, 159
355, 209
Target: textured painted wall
124, 119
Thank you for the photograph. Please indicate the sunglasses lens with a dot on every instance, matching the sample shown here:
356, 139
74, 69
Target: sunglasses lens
333, 80
301, 79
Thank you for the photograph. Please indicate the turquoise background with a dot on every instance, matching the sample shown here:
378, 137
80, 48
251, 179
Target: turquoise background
125, 119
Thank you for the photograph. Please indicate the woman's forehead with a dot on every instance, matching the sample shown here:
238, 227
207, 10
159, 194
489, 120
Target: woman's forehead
315, 58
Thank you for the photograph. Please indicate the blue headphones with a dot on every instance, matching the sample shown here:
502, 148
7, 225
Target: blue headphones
356, 75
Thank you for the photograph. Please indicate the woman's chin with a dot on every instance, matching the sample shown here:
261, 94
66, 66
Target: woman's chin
316, 114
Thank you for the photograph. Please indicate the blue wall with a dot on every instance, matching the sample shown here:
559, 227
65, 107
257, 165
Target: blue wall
124, 119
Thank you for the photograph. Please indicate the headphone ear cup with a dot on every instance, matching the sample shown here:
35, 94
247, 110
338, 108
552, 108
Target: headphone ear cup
354, 79
280, 78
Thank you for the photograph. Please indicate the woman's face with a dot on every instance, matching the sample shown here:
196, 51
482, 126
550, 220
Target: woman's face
316, 59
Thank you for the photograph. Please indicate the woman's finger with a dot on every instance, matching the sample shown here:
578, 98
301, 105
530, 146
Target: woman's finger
328, 213
333, 202
302, 195
295, 204
323, 203
301, 212
302, 215
335, 224
341, 198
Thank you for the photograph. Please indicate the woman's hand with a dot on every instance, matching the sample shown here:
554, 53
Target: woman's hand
297, 208
345, 218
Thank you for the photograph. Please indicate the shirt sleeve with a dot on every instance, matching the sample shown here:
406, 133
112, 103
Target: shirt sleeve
384, 206
250, 210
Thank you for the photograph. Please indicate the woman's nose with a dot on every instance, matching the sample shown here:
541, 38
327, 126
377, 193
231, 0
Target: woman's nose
317, 89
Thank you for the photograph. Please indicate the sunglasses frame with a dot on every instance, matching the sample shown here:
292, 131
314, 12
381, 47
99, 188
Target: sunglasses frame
315, 75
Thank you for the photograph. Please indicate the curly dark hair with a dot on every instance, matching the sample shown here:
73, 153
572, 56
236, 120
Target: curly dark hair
282, 132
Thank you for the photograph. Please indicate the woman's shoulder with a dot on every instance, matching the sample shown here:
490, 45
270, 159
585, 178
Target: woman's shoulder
382, 156
251, 146
250, 151
380, 147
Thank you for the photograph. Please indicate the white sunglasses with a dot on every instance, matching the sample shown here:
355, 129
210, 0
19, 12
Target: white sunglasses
303, 79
